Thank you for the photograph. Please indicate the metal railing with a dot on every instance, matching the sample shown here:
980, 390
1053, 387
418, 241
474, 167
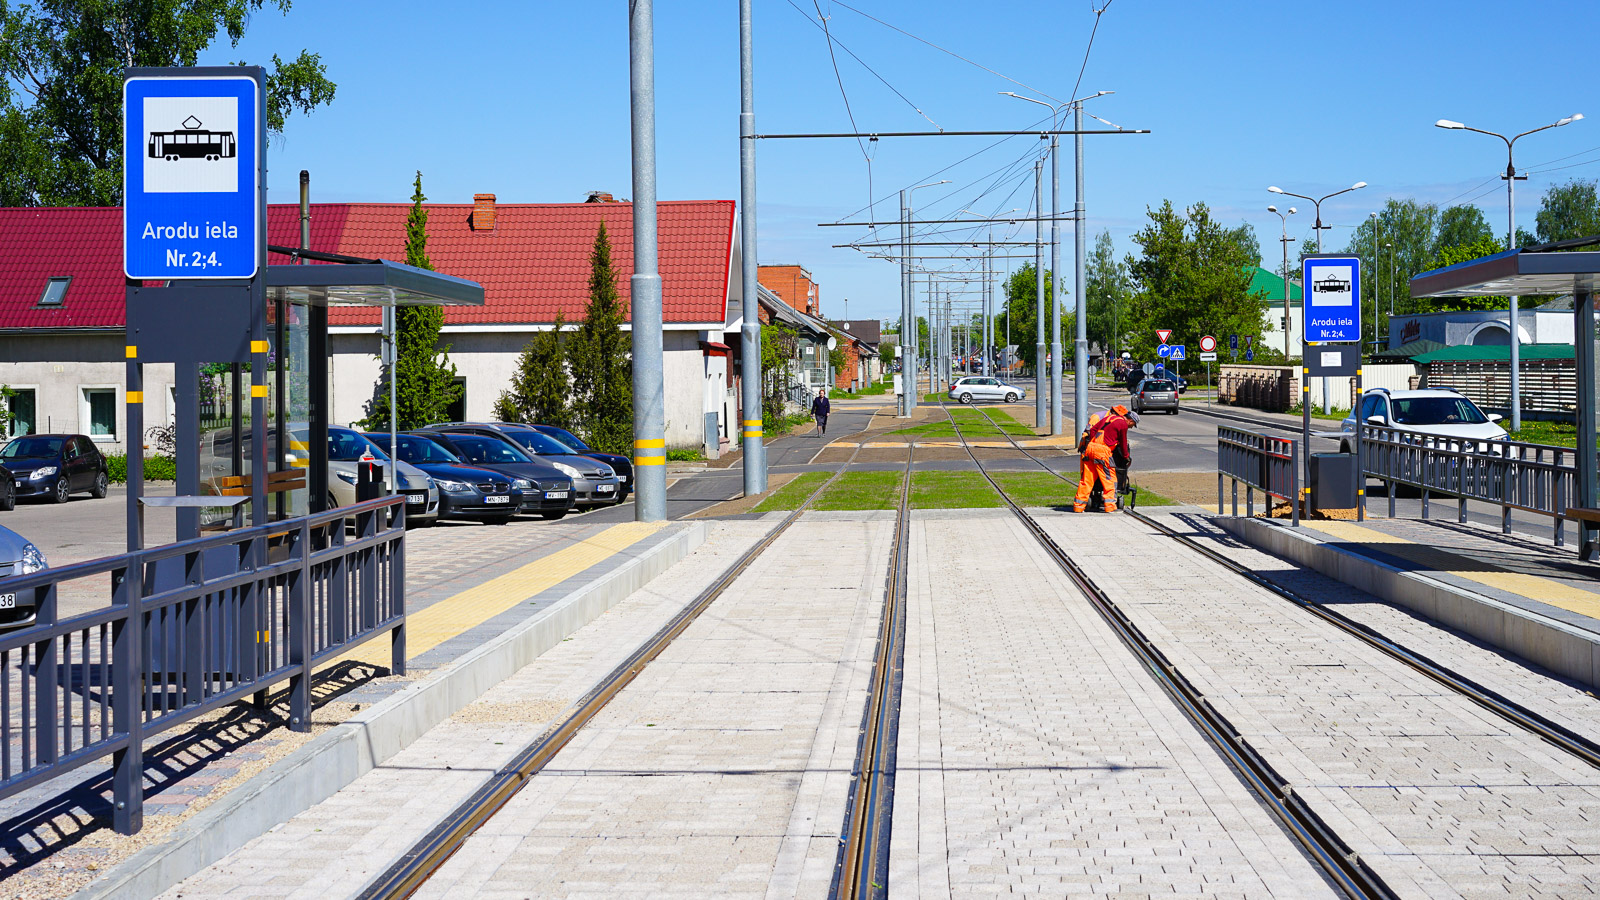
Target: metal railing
1261, 462
192, 626
1534, 478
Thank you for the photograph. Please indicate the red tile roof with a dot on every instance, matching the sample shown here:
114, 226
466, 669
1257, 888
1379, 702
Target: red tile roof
534, 263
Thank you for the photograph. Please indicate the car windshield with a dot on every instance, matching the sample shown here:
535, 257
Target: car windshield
348, 446
568, 438
473, 448
417, 450
1437, 411
33, 448
539, 442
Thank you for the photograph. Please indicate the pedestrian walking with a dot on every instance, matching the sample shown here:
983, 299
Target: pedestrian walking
820, 408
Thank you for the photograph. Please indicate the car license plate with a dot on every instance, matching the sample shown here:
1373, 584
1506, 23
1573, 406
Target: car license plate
555, 495
622, 478
604, 488
497, 499
416, 499
8, 601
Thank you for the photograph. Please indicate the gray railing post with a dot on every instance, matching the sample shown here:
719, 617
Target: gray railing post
191, 625
1560, 508
1219, 493
46, 680
298, 603
1294, 479
127, 699
367, 602
397, 593
337, 579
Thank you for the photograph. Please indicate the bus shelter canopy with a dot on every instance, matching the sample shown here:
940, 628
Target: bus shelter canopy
380, 283
1513, 273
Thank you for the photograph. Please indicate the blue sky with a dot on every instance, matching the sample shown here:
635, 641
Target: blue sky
530, 101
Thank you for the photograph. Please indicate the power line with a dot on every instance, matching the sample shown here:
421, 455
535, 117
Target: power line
1097, 14
842, 46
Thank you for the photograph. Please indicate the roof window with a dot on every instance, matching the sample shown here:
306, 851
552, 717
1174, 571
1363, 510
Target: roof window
55, 291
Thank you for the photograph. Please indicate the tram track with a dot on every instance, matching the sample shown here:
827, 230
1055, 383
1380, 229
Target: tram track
871, 789
1345, 869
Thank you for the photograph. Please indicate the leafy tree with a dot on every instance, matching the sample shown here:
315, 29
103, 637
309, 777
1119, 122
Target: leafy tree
599, 357
425, 379
1021, 312
61, 65
1192, 276
1570, 210
1108, 288
1410, 231
886, 353
1460, 226
778, 343
1245, 236
1460, 253
539, 392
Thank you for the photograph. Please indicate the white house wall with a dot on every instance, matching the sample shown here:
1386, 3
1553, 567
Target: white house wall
58, 367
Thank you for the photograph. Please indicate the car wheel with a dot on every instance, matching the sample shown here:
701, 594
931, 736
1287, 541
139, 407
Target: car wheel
1011, 398
501, 520
553, 515
1174, 410
332, 502
9, 501
1343, 447
965, 397
101, 484
62, 492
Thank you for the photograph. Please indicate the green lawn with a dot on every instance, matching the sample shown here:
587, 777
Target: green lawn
1037, 488
1335, 414
972, 424
791, 495
952, 490
862, 490
1556, 434
871, 390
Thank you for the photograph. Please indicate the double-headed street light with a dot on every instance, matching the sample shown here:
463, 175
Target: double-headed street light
1511, 242
1283, 218
1319, 227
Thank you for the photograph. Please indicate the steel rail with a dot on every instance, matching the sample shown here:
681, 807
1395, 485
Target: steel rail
1344, 868
862, 867
427, 856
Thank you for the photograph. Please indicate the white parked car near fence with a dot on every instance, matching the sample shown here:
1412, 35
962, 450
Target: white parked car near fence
1436, 412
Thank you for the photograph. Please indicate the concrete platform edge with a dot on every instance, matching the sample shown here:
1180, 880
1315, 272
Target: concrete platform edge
1549, 643
330, 762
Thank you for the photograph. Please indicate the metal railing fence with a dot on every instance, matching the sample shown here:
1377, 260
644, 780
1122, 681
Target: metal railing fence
1261, 462
1534, 478
192, 626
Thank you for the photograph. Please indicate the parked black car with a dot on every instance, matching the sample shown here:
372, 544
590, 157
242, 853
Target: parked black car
550, 493
619, 464
465, 492
55, 466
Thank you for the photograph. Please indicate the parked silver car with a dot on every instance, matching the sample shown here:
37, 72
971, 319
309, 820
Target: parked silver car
18, 556
984, 387
1155, 393
346, 447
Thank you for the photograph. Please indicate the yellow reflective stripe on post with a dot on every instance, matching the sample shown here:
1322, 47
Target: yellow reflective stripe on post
650, 452
259, 347
258, 390
753, 432
651, 442
136, 396
649, 461
131, 351
752, 423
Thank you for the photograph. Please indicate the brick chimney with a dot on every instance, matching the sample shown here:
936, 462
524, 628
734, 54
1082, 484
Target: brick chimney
482, 212
600, 197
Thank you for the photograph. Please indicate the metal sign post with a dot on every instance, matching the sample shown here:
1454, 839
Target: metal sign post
1331, 314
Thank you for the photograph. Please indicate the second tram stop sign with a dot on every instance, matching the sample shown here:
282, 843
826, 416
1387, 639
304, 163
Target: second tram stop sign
1332, 315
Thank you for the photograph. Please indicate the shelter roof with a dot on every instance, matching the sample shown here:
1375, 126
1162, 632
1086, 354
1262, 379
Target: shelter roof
1512, 273
1496, 353
1410, 350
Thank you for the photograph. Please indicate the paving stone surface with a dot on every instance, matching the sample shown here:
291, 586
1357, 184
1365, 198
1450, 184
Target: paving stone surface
1441, 797
332, 849
1036, 756
723, 769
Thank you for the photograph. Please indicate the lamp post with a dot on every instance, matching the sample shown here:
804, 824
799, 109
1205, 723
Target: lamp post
1304, 300
909, 366
1283, 219
1511, 243
1376, 226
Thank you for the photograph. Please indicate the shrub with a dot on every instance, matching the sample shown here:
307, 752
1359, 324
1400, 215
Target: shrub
156, 468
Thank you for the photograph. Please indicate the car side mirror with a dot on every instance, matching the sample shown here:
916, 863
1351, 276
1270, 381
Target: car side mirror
1495, 417
1376, 420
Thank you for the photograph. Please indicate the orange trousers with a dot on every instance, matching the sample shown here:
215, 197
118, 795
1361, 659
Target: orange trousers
1090, 467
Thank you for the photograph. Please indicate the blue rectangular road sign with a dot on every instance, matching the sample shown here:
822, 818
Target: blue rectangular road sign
193, 194
1233, 342
1179, 352
1332, 288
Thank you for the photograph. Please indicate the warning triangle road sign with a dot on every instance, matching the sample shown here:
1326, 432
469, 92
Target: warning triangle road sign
1162, 334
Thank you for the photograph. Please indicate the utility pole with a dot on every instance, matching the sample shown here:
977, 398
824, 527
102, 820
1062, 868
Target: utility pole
649, 399
1055, 286
1080, 348
1040, 414
751, 428
908, 317
988, 305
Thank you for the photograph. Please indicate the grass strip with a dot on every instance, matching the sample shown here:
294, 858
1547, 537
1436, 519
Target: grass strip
862, 490
952, 490
1037, 488
791, 495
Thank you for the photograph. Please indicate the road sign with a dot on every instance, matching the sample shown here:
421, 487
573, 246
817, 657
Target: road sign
1148, 368
193, 199
1233, 342
1178, 352
1333, 292
1247, 339
1164, 351
1162, 334
1208, 344
1249, 355
1208, 357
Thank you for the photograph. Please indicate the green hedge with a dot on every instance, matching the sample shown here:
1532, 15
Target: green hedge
156, 468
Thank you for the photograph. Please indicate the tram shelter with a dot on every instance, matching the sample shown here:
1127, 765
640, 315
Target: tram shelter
1546, 270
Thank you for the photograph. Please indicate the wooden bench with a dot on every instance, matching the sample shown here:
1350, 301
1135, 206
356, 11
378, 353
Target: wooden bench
1587, 549
240, 485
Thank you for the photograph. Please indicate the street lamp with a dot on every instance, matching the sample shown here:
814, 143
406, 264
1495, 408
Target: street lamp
1283, 219
1511, 244
910, 381
1319, 227
1376, 226
1080, 353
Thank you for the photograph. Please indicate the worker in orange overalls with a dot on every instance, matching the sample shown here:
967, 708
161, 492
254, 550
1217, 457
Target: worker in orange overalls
1106, 436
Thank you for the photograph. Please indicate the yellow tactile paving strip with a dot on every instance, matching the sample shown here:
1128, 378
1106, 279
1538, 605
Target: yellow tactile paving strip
1534, 587
453, 615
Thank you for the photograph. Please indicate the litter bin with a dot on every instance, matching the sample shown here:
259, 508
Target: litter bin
1333, 481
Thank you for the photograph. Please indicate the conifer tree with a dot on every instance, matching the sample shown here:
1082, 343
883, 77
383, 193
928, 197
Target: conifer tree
598, 355
539, 392
424, 376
